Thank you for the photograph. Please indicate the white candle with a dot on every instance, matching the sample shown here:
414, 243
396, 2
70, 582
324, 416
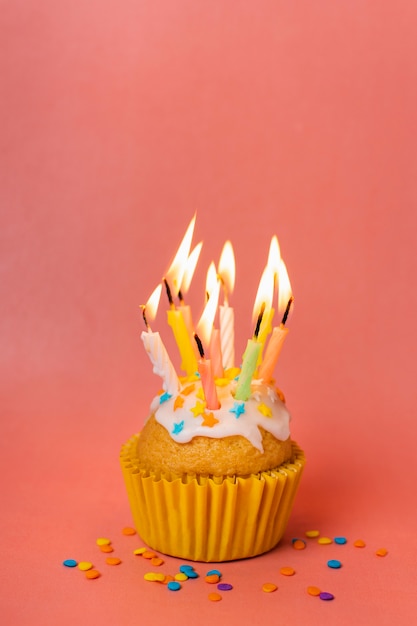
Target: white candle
161, 362
227, 335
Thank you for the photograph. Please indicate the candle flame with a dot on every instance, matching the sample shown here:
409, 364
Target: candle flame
205, 325
211, 279
227, 267
265, 293
151, 307
274, 256
190, 266
285, 291
175, 273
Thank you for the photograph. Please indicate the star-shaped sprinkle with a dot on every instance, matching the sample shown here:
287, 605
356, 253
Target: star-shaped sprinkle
198, 409
178, 428
265, 410
232, 372
209, 420
200, 394
164, 397
238, 408
187, 390
221, 382
178, 403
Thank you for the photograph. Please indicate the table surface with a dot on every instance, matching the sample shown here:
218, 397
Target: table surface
119, 121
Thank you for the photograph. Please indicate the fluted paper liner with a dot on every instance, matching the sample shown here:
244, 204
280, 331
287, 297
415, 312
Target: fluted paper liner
203, 518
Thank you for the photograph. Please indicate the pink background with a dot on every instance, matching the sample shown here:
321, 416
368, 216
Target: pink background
120, 120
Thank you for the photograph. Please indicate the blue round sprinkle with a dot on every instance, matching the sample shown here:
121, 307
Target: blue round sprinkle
214, 571
69, 563
173, 585
340, 540
186, 568
191, 573
334, 564
224, 587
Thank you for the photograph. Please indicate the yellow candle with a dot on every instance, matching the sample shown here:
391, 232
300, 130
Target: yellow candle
182, 338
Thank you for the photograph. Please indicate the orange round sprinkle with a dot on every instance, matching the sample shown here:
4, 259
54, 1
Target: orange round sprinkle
212, 579
381, 552
106, 549
113, 560
92, 573
128, 531
168, 579
287, 571
269, 587
313, 591
148, 554
214, 597
157, 561
298, 544
359, 543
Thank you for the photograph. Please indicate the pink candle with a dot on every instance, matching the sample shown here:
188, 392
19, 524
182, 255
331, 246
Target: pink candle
207, 378
272, 353
215, 352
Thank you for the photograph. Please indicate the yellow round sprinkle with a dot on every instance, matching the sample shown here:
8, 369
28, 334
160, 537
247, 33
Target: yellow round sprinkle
160, 578
381, 552
150, 576
139, 551
181, 577
269, 587
128, 531
84, 565
113, 560
106, 549
214, 597
92, 573
324, 541
313, 591
312, 533
287, 571
102, 541
359, 543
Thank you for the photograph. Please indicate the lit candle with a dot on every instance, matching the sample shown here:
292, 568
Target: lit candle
185, 309
204, 330
279, 333
250, 361
226, 312
265, 295
156, 350
215, 350
173, 280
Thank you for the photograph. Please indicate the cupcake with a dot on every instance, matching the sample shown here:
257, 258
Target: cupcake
213, 485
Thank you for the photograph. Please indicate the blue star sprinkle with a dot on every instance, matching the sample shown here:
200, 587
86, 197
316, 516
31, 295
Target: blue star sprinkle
178, 428
238, 408
164, 397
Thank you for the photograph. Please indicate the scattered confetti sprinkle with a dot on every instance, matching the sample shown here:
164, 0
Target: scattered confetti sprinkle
140, 551
287, 571
312, 533
238, 408
313, 591
157, 561
165, 397
102, 541
214, 571
106, 549
269, 587
150, 576
359, 543
334, 564
148, 554
128, 530
325, 595
209, 420
174, 585
298, 544
224, 587
181, 577
69, 563
264, 409
212, 579
198, 409
214, 597
92, 573
187, 390
340, 540
178, 427
381, 552
324, 541
85, 565
113, 560
178, 403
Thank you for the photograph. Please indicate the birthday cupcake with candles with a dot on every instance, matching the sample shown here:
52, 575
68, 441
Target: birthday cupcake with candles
213, 474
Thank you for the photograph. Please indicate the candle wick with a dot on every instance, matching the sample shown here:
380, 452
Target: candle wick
225, 294
168, 292
143, 307
199, 345
181, 298
259, 322
287, 310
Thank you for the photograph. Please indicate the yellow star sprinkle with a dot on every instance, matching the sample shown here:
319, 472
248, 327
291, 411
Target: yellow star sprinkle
221, 382
199, 409
200, 394
187, 390
209, 420
179, 403
232, 372
265, 410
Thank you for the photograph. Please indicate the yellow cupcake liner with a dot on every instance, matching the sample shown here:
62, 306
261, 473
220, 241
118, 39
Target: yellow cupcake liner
202, 518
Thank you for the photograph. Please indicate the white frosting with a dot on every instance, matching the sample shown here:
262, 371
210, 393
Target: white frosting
263, 409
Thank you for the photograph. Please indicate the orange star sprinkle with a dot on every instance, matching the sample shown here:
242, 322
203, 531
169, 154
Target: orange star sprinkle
179, 403
187, 390
209, 420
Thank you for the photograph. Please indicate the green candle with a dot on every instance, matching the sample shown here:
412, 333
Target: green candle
250, 361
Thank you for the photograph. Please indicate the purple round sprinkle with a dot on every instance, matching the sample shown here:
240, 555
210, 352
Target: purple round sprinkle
224, 587
325, 595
